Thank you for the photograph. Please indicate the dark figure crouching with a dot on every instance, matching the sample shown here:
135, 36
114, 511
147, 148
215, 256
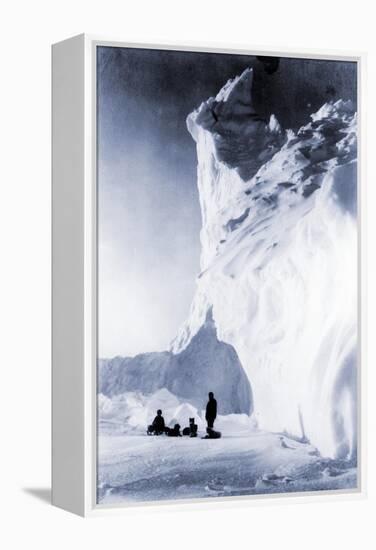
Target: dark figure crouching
211, 410
173, 432
192, 429
158, 426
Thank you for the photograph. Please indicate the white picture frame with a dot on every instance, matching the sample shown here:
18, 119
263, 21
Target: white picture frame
74, 284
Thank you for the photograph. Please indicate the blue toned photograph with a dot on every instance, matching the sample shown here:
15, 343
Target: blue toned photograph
228, 360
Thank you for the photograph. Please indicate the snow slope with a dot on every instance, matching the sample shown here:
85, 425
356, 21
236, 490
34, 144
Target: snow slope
279, 260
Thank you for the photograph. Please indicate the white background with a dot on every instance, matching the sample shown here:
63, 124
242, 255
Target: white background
27, 30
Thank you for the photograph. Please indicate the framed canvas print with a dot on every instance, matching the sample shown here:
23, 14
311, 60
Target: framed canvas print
206, 275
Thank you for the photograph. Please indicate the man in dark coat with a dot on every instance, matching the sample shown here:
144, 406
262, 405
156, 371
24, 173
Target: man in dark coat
211, 410
158, 426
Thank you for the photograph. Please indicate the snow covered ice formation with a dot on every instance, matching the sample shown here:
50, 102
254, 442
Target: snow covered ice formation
279, 260
205, 364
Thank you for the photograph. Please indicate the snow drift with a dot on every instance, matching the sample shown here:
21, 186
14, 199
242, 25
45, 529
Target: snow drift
279, 260
132, 412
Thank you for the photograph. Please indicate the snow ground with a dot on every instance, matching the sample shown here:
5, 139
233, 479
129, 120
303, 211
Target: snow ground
141, 468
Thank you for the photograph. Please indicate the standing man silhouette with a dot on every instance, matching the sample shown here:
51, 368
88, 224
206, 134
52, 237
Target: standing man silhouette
211, 410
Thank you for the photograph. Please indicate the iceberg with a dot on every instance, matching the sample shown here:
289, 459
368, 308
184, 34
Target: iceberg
205, 364
279, 261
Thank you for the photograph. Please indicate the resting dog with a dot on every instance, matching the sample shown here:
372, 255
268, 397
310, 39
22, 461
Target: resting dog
212, 434
174, 432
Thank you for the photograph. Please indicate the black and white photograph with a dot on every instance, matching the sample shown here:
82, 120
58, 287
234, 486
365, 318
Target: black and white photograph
227, 269
188, 265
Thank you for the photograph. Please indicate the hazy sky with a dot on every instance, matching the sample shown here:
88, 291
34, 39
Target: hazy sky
148, 207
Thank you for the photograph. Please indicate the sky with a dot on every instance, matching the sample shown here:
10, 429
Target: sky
148, 206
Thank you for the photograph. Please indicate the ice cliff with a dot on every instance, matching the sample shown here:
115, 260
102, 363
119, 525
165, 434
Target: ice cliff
205, 364
279, 261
